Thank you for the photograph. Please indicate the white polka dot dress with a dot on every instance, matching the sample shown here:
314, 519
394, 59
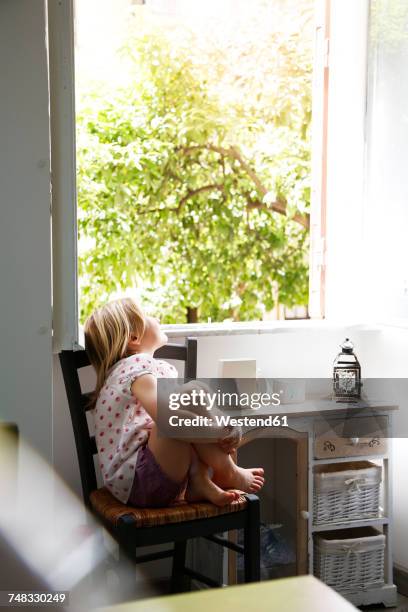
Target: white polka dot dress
121, 423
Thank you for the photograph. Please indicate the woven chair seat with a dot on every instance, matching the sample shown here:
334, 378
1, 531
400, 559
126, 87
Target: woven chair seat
110, 509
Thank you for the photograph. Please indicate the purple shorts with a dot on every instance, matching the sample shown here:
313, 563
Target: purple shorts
151, 487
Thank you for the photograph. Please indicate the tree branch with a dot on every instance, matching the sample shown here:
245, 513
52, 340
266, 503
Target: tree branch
193, 192
279, 207
190, 193
234, 153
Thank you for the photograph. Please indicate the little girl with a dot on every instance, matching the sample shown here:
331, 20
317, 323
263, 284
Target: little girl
138, 466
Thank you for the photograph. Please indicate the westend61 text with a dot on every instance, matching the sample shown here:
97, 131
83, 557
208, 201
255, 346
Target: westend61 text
228, 421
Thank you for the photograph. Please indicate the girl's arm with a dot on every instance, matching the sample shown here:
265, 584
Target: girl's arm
144, 388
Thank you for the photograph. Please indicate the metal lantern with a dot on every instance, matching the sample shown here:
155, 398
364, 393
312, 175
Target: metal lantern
346, 374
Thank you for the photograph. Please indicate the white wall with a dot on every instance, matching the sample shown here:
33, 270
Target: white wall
367, 256
385, 266
366, 226
388, 359
25, 252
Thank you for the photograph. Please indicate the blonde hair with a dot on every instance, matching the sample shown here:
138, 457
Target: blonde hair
107, 333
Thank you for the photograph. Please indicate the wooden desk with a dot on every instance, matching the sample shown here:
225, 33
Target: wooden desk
318, 428
300, 594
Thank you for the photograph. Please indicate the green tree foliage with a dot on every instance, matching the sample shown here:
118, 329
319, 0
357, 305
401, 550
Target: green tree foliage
194, 179
389, 24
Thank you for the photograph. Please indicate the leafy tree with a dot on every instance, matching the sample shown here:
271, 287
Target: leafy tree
194, 179
389, 24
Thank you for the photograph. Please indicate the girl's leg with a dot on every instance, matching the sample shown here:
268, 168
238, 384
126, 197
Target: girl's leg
226, 474
178, 460
173, 456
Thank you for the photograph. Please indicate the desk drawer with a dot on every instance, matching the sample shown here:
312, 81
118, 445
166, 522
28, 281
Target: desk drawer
351, 437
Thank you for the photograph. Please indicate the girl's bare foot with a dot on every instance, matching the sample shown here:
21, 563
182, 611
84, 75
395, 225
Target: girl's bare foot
201, 488
248, 480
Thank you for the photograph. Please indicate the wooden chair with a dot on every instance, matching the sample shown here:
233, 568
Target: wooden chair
134, 528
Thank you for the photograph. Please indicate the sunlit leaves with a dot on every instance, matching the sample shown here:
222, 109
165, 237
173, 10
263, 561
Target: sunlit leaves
179, 171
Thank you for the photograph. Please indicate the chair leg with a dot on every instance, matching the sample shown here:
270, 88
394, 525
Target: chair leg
179, 561
252, 547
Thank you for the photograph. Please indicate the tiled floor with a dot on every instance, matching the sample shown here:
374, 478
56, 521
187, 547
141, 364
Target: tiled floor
402, 606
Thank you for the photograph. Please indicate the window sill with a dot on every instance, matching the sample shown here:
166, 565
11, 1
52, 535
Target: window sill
398, 322
248, 328
259, 327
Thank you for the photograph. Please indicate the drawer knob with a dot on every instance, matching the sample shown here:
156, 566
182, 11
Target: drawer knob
305, 514
354, 441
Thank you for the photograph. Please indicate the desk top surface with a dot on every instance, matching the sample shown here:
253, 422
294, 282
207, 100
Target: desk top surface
304, 593
317, 407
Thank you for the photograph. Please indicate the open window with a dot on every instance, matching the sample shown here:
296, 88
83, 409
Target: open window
236, 149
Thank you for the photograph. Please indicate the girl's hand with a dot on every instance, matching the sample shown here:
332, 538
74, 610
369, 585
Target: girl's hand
230, 442
200, 405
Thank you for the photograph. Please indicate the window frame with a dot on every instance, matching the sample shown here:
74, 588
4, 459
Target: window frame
320, 119
63, 176
67, 333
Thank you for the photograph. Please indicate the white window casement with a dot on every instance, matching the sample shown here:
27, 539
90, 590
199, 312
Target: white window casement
320, 100
347, 103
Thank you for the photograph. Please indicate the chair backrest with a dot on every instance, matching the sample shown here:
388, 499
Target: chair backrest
71, 362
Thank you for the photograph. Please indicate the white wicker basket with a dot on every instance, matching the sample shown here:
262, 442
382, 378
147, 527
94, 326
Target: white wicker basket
346, 492
350, 560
